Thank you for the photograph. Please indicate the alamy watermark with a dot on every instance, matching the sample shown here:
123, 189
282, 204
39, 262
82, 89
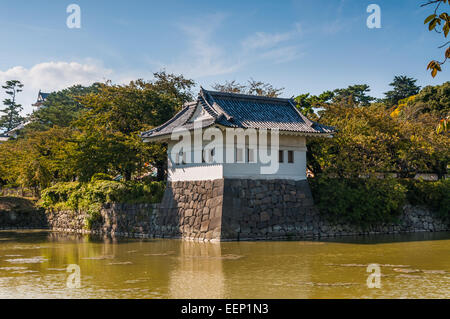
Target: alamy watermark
374, 279
74, 19
74, 278
374, 19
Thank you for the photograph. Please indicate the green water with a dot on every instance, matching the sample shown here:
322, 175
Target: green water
33, 264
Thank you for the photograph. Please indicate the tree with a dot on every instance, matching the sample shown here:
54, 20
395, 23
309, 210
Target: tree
252, 88
11, 117
174, 85
60, 108
435, 21
403, 87
353, 95
370, 141
37, 160
108, 139
306, 103
356, 93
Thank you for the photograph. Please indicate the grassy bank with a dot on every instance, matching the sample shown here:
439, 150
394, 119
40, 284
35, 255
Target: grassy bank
17, 204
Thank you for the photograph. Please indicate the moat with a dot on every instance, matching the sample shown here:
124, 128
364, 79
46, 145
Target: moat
33, 264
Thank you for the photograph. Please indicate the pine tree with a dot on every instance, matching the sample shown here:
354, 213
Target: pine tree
11, 117
403, 87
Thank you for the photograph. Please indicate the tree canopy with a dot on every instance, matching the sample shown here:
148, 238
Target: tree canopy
402, 87
370, 140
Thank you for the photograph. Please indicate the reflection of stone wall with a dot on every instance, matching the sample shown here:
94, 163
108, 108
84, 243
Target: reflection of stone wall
198, 272
233, 209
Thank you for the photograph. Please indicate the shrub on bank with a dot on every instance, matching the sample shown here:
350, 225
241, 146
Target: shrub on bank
76, 195
359, 201
434, 195
370, 201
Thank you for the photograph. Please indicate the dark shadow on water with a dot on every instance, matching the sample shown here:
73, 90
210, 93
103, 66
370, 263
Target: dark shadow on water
35, 236
388, 238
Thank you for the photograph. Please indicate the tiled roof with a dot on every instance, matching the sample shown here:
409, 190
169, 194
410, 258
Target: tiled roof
242, 111
44, 95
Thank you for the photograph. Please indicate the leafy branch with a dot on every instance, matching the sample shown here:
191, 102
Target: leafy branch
436, 21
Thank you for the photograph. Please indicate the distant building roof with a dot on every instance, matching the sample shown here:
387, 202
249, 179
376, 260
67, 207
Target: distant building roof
241, 111
41, 98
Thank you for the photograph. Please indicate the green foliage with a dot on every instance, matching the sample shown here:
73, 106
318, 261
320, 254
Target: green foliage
306, 103
107, 137
370, 141
432, 194
36, 160
360, 202
367, 201
77, 195
101, 177
93, 216
356, 94
60, 108
431, 99
59, 193
83, 131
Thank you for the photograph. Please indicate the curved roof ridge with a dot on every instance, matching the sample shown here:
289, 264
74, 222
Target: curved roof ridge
214, 105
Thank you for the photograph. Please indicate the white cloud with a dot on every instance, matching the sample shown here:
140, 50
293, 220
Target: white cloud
283, 54
52, 76
204, 56
262, 40
265, 40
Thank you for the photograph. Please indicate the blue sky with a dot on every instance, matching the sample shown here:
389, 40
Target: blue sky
303, 46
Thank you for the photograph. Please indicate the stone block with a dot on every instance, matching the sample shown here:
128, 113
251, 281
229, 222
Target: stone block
264, 216
204, 226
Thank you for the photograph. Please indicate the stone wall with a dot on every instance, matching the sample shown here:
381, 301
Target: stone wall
240, 209
267, 209
288, 212
23, 220
125, 220
232, 209
191, 210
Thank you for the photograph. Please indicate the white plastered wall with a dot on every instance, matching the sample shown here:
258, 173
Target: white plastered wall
204, 171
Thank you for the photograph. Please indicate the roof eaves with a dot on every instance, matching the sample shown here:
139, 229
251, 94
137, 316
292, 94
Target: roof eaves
175, 117
304, 118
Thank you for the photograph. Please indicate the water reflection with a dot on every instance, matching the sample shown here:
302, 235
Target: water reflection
33, 265
198, 271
